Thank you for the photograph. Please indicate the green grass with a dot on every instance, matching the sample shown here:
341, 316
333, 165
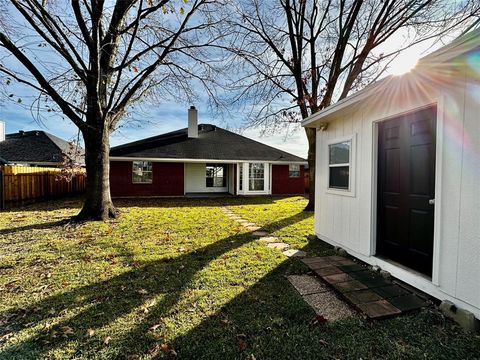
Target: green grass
178, 274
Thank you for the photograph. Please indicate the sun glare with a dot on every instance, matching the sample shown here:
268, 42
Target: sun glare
403, 64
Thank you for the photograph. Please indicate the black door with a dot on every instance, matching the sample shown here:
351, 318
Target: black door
406, 188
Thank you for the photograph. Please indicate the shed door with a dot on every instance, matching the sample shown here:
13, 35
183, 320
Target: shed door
406, 189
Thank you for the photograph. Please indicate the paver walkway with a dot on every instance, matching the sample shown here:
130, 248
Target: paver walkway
365, 290
368, 292
272, 241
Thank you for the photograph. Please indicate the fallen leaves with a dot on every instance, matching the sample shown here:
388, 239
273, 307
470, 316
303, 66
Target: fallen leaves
90, 332
242, 341
106, 340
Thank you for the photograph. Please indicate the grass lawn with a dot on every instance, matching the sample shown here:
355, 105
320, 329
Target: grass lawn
178, 276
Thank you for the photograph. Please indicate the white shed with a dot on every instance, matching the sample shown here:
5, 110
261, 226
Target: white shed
398, 174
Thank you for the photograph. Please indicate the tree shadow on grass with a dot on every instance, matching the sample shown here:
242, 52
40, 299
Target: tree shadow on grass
36, 226
270, 320
97, 305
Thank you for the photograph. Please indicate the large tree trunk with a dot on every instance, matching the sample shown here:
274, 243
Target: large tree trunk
311, 137
98, 203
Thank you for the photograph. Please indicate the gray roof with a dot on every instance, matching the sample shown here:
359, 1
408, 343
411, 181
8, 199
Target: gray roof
34, 147
213, 143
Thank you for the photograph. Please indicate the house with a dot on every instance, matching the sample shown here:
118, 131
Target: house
35, 148
203, 159
398, 174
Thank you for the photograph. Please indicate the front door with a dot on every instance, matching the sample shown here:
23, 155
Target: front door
406, 189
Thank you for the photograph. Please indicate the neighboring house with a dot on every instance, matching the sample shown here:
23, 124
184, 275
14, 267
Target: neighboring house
398, 174
35, 148
203, 159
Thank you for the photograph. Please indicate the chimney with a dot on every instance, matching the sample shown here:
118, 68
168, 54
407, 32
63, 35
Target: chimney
2, 131
192, 122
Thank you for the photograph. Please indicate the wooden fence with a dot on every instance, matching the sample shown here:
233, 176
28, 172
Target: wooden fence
17, 186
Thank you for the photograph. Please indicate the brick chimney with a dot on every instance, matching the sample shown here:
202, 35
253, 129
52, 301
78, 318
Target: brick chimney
192, 122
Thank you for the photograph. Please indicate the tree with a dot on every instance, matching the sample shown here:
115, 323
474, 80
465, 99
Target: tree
92, 60
310, 53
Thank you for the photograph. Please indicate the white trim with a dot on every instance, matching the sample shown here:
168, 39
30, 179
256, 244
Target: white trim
351, 165
437, 215
406, 275
127, 158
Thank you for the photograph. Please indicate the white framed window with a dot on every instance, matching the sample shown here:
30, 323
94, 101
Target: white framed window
293, 170
216, 175
340, 162
256, 177
142, 172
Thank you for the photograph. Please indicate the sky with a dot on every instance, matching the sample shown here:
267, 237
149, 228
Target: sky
167, 117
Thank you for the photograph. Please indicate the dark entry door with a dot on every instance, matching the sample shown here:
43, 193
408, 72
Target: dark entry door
406, 189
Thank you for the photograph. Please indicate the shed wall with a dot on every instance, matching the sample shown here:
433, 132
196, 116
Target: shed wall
350, 221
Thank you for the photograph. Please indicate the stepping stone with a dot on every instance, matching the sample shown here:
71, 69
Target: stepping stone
294, 253
379, 309
343, 262
335, 258
348, 286
329, 306
247, 224
351, 268
390, 291
336, 278
362, 296
260, 233
269, 239
278, 246
408, 302
316, 262
328, 270
306, 284
253, 228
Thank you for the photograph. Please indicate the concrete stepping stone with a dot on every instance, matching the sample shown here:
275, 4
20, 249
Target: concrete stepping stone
390, 291
278, 246
379, 309
328, 270
316, 262
253, 228
408, 302
362, 296
247, 224
269, 239
306, 284
348, 286
259, 233
295, 253
336, 278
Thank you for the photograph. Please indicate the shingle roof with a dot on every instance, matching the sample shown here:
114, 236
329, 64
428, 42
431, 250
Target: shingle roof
213, 143
34, 146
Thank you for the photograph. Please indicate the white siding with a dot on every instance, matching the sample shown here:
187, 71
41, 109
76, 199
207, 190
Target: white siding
195, 180
350, 221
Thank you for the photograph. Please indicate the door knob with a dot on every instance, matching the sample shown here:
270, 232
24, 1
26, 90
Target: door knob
431, 201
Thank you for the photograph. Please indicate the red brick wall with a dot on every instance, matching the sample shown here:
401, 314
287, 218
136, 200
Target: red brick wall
167, 180
284, 185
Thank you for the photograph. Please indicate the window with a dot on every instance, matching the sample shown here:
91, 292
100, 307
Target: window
339, 165
216, 175
256, 177
294, 170
142, 172
240, 175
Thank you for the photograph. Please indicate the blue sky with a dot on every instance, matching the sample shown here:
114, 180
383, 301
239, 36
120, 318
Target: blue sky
151, 120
